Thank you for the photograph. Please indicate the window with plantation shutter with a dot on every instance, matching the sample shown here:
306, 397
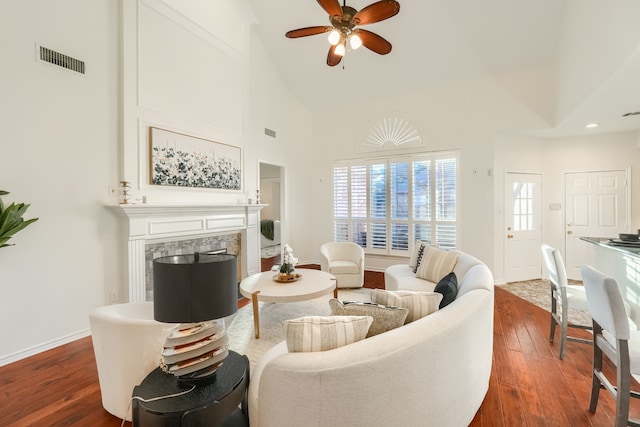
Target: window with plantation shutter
341, 203
384, 205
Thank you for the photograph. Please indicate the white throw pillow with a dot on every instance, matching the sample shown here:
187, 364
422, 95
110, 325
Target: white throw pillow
436, 264
419, 304
320, 333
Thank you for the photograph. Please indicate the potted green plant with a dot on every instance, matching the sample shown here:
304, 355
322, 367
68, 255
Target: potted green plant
11, 220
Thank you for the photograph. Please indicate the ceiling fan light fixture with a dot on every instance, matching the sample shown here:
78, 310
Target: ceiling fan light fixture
334, 37
344, 20
355, 41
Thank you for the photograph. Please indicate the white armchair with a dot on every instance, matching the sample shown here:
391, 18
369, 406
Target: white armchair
127, 343
345, 260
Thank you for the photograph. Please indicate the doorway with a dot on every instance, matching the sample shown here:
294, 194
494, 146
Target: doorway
523, 226
271, 179
597, 205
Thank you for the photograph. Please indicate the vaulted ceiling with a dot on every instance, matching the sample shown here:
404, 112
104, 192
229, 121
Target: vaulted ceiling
441, 40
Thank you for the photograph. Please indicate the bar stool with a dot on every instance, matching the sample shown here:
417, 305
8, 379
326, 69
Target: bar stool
569, 296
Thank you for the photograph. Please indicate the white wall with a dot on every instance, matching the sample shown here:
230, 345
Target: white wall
273, 107
68, 138
59, 153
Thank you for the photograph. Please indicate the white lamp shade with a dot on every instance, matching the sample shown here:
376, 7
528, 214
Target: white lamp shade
355, 41
334, 37
340, 49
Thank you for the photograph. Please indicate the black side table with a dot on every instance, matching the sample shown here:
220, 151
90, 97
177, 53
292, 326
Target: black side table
214, 404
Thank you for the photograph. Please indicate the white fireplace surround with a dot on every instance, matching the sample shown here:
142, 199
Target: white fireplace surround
149, 223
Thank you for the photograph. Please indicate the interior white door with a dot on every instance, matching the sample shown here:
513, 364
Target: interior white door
597, 205
523, 223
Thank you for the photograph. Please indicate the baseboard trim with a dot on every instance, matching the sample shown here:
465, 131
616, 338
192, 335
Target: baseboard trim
23, 354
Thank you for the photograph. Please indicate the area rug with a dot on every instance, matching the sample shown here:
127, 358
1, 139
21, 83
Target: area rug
538, 292
240, 325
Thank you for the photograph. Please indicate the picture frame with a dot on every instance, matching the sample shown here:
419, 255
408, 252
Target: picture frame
181, 160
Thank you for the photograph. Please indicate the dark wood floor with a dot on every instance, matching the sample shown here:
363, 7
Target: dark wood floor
529, 385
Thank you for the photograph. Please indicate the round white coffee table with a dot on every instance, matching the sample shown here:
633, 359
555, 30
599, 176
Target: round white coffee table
262, 287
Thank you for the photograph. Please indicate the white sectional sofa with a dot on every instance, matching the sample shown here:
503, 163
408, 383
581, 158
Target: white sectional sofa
430, 372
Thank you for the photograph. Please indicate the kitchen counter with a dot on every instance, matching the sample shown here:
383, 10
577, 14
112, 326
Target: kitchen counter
620, 261
627, 248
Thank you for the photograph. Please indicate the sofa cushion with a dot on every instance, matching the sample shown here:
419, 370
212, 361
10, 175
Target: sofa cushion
436, 264
448, 287
419, 304
320, 333
343, 267
384, 318
418, 247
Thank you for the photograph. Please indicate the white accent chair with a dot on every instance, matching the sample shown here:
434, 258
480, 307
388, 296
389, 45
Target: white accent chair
345, 260
613, 336
568, 296
127, 343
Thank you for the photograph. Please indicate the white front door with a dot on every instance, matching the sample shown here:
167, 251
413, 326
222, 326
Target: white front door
597, 205
522, 230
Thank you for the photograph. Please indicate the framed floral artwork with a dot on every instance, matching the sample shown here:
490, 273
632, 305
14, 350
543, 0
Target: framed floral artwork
187, 161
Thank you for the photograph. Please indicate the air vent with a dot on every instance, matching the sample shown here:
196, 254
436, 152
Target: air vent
635, 113
61, 60
269, 132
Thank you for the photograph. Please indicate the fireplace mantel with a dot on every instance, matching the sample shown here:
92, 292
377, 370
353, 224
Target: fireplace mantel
161, 222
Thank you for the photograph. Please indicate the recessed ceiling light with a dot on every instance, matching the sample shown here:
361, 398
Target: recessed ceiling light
591, 125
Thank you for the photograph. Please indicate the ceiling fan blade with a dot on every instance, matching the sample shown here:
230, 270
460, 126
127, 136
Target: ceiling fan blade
332, 7
373, 42
376, 12
307, 31
333, 58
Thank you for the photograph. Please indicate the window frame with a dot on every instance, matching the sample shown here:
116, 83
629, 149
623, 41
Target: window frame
347, 224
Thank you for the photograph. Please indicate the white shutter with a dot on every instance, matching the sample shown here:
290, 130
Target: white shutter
359, 192
378, 205
385, 204
445, 201
340, 203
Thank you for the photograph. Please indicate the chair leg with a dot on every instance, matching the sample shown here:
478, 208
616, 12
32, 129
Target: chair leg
595, 381
623, 377
553, 315
563, 339
563, 331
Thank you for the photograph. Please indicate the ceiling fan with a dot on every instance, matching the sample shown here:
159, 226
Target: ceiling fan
344, 20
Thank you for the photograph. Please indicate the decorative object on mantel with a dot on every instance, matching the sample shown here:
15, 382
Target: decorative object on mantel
11, 220
343, 20
258, 197
187, 161
124, 192
288, 268
198, 291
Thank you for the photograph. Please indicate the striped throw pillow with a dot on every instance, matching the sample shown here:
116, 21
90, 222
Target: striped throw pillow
320, 333
419, 304
436, 264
